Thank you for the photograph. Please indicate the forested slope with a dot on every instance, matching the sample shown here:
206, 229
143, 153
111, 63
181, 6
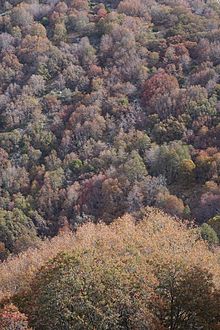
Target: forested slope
106, 108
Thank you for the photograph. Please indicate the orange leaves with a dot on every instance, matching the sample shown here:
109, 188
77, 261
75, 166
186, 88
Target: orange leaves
11, 318
32, 46
138, 272
159, 94
158, 84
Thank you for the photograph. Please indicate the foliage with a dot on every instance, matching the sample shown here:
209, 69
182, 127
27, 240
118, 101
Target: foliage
107, 280
209, 234
215, 224
105, 108
12, 319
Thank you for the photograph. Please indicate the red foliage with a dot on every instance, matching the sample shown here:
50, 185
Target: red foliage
11, 318
159, 84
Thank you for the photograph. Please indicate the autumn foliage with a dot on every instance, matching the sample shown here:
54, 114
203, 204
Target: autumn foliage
127, 275
12, 319
106, 108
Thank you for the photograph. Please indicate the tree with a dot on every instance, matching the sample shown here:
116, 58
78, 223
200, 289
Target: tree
33, 46
214, 223
113, 199
168, 130
75, 76
135, 198
164, 277
131, 8
170, 204
209, 234
134, 168
208, 206
36, 85
179, 301
60, 32
16, 230
38, 29
86, 52
21, 17
12, 319
195, 101
15, 179
170, 160
159, 93
187, 170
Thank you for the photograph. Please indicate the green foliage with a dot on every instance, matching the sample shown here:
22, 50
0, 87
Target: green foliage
16, 228
209, 234
168, 160
214, 223
76, 165
169, 130
202, 107
60, 32
101, 296
134, 168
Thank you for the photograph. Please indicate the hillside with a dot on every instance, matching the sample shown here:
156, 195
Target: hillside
106, 108
109, 165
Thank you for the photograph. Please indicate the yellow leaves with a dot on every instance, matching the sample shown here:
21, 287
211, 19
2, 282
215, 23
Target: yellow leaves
103, 268
32, 45
156, 242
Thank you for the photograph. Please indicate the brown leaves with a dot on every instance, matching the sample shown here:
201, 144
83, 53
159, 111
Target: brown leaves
140, 273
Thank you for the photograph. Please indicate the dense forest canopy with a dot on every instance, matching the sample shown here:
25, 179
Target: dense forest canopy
100, 278
109, 165
106, 108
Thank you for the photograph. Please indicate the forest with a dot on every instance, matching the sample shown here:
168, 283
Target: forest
109, 139
165, 277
